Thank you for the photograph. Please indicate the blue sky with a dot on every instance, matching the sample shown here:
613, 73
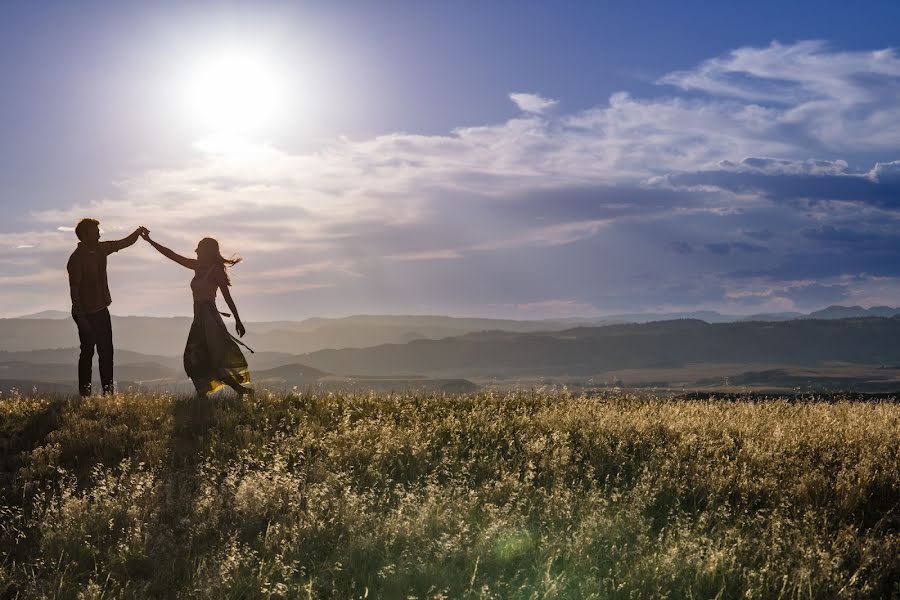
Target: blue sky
508, 159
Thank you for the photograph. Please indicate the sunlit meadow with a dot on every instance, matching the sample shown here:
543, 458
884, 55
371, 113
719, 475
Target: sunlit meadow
518, 495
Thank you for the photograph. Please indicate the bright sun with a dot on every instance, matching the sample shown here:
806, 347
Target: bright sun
233, 90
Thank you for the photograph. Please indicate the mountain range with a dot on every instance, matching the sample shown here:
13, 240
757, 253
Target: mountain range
445, 353
165, 335
662, 344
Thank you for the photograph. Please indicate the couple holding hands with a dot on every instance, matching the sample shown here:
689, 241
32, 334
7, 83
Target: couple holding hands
212, 357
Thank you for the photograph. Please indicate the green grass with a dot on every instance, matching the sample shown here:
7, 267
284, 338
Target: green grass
520, 495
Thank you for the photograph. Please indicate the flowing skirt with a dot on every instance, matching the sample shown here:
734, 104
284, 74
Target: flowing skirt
211, 357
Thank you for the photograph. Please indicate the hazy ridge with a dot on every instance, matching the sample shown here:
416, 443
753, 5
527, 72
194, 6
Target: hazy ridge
838, 347
586, 350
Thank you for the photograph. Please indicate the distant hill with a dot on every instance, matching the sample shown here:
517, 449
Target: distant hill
846, 312
427, 323
48, 314
69, 356
304, 377
49, 372
816, 380
781, 316
710, 316
280, 340
291, 374
589, 350
132, 372
756, 352
166, 335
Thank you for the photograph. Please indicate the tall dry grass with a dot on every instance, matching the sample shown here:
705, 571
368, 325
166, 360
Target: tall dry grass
519, 495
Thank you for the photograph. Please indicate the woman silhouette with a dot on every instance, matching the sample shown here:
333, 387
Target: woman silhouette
211, 357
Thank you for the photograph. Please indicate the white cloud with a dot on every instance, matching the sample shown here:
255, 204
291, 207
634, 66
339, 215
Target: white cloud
294, 272
551, 235
884, 172
426, 255
32, 243
790, 74
845, 100
392, 178
785, 103
532, 103
288, 287
43, 278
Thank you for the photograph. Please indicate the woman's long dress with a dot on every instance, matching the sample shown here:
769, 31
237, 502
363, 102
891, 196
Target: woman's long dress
211, 357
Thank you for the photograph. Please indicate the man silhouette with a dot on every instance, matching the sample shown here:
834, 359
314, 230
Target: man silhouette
90, 300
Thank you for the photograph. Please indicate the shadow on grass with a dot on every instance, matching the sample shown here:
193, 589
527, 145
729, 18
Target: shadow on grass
18, 440
170, 539
18, 437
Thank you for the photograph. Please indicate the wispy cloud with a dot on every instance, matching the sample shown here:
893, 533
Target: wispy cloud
844, 100
715, 173
426, 255
532, 103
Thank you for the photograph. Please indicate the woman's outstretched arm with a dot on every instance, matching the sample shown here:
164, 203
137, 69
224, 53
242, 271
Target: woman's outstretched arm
184, 261
238, 325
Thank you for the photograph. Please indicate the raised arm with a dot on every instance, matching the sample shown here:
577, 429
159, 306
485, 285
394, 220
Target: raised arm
184, 261
115, 245
238, 325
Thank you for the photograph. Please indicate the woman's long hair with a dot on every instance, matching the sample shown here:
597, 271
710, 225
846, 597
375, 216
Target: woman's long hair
211, 246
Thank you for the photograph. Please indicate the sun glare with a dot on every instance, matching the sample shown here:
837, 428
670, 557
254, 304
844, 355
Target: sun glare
233, 90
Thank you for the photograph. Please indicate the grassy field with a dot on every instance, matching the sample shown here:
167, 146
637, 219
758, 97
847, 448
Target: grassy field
518, 495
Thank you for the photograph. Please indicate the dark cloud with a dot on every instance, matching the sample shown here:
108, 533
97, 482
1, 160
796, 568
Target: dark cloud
687, 258
816, 294
462, 220
586, 203
761, 235
718, 248
734, 248
680, 247
778, 165
856, 238
748, 248
821, 265
813, 181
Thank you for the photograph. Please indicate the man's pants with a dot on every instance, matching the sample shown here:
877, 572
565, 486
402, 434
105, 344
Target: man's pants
99, 334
